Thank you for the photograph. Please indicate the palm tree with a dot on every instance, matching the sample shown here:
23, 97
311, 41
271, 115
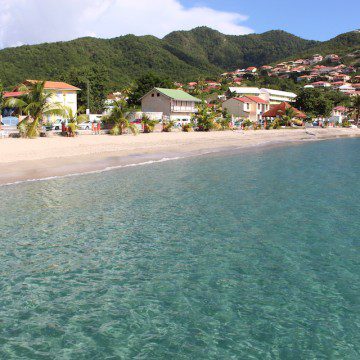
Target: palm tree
287, 115
119, 118
354, 109
148, 124
74, 120
35, 104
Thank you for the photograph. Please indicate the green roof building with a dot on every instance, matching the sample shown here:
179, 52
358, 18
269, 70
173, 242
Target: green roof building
174, 104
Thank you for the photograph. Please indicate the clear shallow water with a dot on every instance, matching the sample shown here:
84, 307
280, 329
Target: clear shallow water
234, 256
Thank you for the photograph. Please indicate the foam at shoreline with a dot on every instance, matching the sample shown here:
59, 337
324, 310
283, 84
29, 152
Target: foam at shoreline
265, 144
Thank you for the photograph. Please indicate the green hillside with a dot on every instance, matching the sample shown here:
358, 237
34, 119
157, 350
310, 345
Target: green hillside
181, 55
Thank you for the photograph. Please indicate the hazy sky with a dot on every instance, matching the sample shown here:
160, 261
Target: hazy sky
37, 21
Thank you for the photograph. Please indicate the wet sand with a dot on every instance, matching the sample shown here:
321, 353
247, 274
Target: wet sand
31, 159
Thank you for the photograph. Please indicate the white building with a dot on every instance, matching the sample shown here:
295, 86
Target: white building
174, 104
277, 96
272, 96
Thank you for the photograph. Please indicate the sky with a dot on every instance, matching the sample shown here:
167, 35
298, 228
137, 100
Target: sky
38, 21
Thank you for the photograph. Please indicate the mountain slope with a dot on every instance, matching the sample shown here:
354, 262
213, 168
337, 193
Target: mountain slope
231, 51
181, 55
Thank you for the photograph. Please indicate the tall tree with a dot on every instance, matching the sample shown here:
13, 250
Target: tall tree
355, 109
96, 78
145, 83
314, 102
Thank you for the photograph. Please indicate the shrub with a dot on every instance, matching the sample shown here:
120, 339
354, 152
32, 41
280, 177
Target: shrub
114, 130
297, 122
247, 123
168, 125
224, 123
276, 124
148, 124
346, 123
187, 127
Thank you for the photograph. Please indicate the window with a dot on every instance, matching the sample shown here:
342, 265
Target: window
158, 94
152, 95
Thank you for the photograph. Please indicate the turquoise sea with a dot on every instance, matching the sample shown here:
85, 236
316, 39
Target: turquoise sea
240, 255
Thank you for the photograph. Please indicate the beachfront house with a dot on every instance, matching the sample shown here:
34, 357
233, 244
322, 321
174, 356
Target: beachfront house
246, 107
174, 104
338, 114
62, 93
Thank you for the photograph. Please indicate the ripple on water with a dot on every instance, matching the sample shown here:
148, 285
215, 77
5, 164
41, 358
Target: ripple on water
250, 255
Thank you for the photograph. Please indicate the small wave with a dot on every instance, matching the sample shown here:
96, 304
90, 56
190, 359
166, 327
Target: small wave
165, 159
108, 168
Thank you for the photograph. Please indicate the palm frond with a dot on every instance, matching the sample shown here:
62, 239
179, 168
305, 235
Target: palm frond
82, 118
15, 103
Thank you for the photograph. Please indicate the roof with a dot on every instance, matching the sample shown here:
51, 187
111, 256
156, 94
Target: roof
247, 99
53, 85
279, 93
340, 108
280, 108
245, 90
176, 94
9, 94
242, 99
112, 97
257, 99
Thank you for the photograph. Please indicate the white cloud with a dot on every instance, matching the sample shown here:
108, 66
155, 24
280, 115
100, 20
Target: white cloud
37, 21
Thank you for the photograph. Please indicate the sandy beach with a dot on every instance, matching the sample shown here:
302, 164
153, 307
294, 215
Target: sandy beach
27, 159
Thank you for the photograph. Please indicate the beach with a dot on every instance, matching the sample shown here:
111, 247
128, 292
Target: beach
31, 159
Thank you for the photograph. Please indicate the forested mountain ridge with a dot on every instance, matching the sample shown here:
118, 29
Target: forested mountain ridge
181, 55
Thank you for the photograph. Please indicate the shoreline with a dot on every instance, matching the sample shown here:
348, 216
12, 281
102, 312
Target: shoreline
25, 160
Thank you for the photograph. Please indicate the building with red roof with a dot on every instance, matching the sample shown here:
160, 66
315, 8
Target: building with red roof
246, 107
251, 69
62, 93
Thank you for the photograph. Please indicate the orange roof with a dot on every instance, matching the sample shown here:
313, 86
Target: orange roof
257, 99
249, 99
53, 85
242, 99
280, 109
8, 94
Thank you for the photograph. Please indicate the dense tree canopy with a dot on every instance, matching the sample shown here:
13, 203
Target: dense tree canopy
315, 102
96, 78
145, 83
181, 55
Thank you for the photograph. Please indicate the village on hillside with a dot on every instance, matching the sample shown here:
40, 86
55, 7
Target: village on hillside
236, 99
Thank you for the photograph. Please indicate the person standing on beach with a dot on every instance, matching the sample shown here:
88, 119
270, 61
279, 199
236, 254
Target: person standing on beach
93, 128
98, 128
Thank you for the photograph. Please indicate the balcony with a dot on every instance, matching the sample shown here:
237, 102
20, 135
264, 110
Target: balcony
182, 109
